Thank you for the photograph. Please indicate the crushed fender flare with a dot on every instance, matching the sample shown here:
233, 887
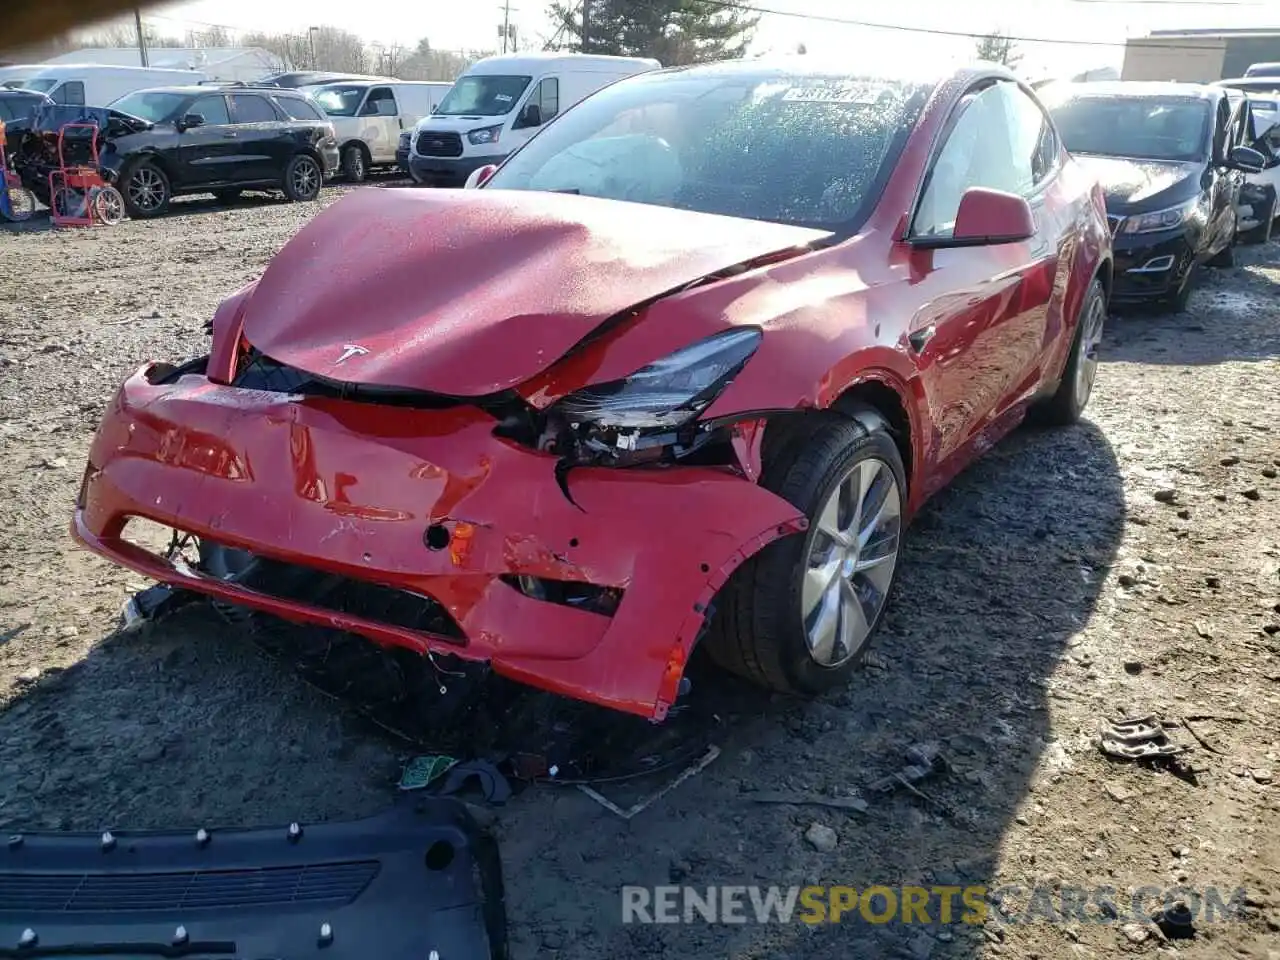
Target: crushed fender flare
692, 627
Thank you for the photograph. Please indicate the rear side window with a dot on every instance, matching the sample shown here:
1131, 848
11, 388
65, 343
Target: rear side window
247, 108
71, 92
6, 112
296, 108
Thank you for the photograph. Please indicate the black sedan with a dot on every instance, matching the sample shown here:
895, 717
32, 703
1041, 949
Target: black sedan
219, 140
1171, 158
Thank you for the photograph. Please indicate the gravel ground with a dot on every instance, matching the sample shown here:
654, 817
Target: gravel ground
1129, 564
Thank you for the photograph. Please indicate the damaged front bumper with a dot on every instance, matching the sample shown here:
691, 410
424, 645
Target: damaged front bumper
430, 504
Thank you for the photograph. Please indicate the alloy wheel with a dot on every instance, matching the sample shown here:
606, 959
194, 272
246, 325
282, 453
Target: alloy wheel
305, 175
853, 552
146, 189
1090, 341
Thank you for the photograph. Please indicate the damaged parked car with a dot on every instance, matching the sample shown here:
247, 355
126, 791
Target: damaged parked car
686, 365
156, 144
1172, 158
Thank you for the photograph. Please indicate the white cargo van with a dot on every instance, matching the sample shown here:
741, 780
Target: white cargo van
500, 102
96, 84
15, 75
370, 115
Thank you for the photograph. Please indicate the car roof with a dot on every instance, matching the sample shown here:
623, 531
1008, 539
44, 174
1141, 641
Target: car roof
910, 71
1141, 88
1249, 84
216, 88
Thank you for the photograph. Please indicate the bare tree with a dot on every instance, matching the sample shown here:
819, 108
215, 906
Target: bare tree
213, 36
125, 35
425, 63
997, 48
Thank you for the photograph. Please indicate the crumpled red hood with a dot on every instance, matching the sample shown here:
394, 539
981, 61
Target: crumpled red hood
467, 292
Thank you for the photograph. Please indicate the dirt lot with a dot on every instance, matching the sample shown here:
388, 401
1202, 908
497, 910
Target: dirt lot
1129, 564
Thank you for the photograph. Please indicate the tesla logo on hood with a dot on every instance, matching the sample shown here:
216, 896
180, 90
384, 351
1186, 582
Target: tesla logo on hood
350, 350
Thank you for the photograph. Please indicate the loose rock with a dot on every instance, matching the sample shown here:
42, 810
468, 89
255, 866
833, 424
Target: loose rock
822, 838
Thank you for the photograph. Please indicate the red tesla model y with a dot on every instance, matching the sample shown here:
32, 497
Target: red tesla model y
680, 371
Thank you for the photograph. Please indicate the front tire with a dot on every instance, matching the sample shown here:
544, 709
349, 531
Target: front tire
146, 190
800, 616
1076, 386
302, 179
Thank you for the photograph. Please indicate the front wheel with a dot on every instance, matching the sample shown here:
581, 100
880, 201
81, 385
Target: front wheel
799, 617
146, 190
302, 178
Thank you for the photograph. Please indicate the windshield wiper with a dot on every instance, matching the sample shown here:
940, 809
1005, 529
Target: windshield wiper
573, 190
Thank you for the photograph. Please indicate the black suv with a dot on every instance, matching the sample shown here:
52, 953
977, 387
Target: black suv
1171, 158
218, 140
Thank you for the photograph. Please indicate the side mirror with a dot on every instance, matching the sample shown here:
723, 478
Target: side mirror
986, 217
191, 120
530, 116
1247, 159
480, 176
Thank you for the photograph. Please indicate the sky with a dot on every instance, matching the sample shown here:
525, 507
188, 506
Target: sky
1086, 34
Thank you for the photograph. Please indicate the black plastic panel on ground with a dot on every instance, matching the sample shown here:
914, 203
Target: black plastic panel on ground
418, 879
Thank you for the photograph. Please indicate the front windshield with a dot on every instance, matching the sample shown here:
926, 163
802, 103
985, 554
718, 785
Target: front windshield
151, 106
483, 96
13, 84
1143, 128
338, 101
806, 150
44, 86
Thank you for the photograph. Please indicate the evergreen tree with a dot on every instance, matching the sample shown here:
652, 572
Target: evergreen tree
673, 31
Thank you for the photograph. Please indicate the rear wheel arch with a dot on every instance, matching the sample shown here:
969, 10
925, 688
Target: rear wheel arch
1105, 274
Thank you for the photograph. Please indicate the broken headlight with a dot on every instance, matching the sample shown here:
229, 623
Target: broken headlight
666, 394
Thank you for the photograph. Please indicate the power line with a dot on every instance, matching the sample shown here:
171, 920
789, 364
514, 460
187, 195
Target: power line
934, 31
901, 28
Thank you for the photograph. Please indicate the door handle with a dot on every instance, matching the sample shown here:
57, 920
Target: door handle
919, 339
400, 121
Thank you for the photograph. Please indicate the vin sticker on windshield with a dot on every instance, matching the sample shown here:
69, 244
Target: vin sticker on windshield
831, 93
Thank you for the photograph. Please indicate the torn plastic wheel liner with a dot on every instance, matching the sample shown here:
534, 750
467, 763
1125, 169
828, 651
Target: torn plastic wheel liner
417, 881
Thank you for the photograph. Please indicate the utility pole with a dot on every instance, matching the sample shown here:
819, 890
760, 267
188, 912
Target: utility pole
311, 41
142, 40
586, 13
506, 23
